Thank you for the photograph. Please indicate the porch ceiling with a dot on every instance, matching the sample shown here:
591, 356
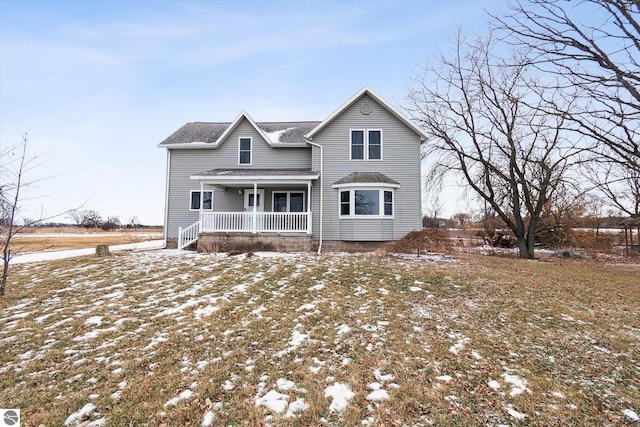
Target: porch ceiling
242, 177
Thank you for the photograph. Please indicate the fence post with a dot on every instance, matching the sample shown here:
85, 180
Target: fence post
180, 238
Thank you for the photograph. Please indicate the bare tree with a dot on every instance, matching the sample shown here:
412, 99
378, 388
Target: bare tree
592, 47
76, 215
14, 167
91, 219
487, 122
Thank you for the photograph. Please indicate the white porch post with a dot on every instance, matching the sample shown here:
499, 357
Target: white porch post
255, 205
309, 207
201, 201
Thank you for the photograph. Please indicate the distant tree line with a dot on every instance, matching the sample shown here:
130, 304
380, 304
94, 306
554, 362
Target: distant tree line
88, 218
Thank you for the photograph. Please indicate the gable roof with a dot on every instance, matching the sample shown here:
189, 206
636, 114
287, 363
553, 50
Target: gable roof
367, 91
212, 135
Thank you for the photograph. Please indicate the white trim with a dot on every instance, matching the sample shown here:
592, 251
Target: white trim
288, 193
200, 208
262, 178
366, 91
365, 147
366, 184
240, 138
352, 203
166, 200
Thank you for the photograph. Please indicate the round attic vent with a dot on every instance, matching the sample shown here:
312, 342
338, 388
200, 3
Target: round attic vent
366, 108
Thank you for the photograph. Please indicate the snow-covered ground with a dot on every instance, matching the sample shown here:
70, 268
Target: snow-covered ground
275, 339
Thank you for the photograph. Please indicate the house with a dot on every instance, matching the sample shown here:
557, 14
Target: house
349, 182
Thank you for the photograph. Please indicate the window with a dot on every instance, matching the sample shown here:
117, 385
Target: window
375, 145
345, 203
357, 145
251, 200
366, 145
288, 201
388, 203
366, 203
206, 197
244, 151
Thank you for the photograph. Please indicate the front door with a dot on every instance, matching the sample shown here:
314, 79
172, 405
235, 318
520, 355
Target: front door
250, 199
251, 223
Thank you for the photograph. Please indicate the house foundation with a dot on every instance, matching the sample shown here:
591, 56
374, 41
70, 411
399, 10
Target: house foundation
254, 242
352, 246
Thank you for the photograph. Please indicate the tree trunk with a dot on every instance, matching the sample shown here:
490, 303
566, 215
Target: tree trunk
5, 274
526, 243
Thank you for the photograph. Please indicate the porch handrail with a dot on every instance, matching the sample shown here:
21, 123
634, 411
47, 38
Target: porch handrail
269, 222
188, 235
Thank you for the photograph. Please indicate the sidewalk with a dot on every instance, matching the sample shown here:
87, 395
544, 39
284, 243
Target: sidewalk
72, 253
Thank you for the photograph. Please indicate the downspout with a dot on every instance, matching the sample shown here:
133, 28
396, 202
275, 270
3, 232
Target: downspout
166, 199
321, 189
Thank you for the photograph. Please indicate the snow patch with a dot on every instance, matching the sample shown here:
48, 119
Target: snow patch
274, 401
341, 394
519, 385
515, 414
495, 385
296, 341
207, 421
95, 320
343, 329
378, 395
632, 415
295, 407
77, 417
174, 401
382, 377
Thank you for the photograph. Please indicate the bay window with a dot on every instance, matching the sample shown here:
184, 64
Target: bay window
366, 202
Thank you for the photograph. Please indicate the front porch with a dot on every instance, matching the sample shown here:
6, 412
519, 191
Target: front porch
246, 222
275, 201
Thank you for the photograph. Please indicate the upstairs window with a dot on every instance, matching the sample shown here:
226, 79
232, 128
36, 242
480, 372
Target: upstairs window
366, 144
244, 151
204, 197
357, 145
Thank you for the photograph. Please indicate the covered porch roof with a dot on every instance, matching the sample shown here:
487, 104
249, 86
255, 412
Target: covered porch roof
241, 177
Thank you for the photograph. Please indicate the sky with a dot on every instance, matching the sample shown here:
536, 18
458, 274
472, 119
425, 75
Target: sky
97, 85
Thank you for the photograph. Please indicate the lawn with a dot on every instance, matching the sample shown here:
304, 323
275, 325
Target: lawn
77, 239
168, 338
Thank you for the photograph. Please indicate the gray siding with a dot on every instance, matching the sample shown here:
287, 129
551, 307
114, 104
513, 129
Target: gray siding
401, 161
185, 163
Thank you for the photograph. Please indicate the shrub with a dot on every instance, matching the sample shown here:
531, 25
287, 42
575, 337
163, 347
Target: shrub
428, 239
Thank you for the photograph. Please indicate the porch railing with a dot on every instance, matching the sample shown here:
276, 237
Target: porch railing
259, 222
188, 235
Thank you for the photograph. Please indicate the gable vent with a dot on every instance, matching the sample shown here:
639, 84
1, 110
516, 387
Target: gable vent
366, 108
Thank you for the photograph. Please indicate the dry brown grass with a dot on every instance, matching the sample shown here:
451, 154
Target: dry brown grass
40, 241
225, 328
